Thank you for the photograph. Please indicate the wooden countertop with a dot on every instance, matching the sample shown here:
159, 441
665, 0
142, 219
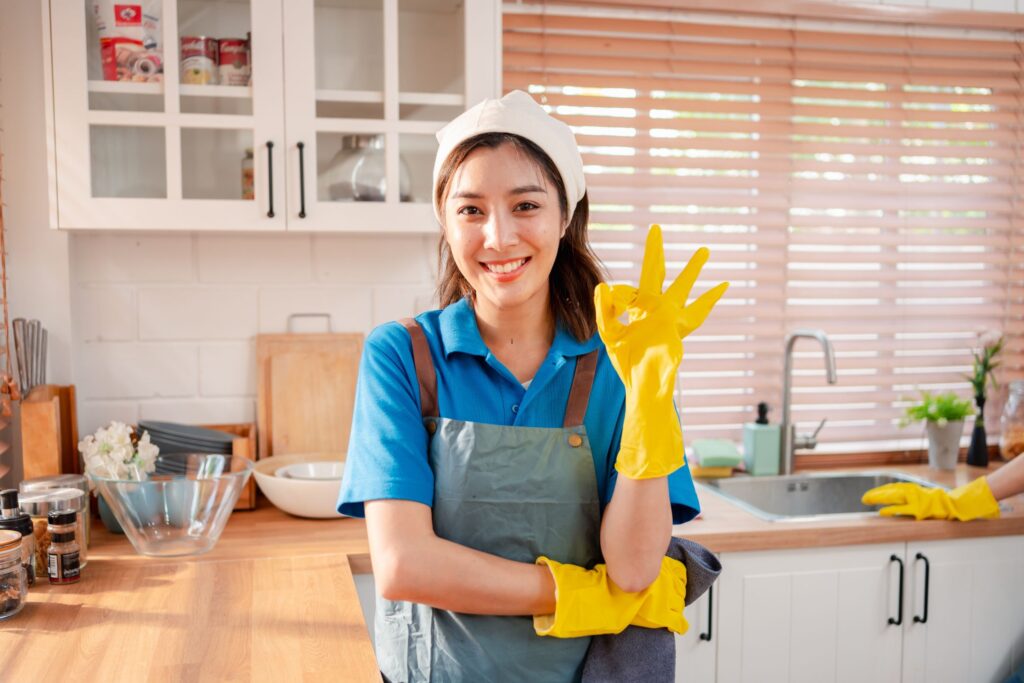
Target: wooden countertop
275, 599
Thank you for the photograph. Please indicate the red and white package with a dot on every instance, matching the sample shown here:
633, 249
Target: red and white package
130, 40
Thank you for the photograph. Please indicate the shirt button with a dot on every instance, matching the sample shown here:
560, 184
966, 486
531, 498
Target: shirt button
515, 409
575, 440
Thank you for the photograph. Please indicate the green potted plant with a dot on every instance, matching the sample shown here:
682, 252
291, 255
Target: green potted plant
943, 415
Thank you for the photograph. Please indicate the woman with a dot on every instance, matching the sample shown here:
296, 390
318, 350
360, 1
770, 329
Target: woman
488, 436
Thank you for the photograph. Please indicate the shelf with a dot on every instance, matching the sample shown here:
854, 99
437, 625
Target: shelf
126, 87
443, 99
188, 90
370, 96
376, 96
239, 91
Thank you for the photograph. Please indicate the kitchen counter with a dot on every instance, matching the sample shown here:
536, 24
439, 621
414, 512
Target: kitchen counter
275, 600
724, 527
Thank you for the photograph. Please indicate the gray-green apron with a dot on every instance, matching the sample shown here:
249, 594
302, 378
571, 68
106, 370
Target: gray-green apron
514, 492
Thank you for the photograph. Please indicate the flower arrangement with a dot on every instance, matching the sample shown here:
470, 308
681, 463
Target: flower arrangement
939, 408
114, 452
990, 344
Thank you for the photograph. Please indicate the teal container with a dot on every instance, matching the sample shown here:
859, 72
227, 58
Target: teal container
762, 443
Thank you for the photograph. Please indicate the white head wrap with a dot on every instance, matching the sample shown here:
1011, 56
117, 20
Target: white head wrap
519, 114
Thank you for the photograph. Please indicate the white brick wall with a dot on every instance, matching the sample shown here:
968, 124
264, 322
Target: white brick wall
163, 326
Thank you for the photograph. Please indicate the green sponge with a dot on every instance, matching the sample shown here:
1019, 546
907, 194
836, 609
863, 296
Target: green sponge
716, 453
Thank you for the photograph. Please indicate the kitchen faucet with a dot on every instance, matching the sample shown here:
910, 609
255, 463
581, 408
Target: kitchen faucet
790, 440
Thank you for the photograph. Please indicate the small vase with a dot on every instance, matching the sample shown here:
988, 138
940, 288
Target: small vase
944, 444
107, 515
977, 454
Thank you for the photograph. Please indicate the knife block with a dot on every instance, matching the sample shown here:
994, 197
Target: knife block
49, 431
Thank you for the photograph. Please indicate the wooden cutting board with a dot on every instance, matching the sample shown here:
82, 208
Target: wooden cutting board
306, 391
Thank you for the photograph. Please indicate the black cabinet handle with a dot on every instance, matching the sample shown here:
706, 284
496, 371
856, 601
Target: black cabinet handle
302, 180
899, 615
270, 177
927, 580
711, 598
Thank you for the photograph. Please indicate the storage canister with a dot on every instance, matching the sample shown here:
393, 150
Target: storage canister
66, 481
40, 503
13, 583
1011, 424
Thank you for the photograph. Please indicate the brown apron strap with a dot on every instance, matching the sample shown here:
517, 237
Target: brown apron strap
424, 367
579, 395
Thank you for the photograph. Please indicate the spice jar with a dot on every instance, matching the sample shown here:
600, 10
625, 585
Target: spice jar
13, 584
65, 481
62, 555
248, 179
39, 504
13, 519
1011, 424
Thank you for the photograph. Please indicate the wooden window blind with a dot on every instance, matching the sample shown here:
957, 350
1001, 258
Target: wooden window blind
867, 184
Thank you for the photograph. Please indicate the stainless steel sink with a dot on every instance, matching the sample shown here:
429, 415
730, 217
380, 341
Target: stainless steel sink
802, 497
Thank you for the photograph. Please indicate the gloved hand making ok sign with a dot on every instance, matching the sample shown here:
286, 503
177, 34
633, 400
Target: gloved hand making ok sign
647, 352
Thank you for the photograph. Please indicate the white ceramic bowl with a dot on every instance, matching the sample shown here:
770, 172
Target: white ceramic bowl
315, 498
317, 471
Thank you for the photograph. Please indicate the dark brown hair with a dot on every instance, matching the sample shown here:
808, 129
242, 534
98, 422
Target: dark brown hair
576, 271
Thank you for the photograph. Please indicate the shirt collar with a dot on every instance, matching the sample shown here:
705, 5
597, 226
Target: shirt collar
460, 333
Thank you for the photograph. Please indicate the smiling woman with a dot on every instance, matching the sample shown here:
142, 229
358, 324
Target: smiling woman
488, 436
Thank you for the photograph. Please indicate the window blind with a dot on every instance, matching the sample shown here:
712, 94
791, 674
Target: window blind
864, 183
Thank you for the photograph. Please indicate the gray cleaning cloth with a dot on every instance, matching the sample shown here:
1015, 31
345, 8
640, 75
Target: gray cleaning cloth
649, 654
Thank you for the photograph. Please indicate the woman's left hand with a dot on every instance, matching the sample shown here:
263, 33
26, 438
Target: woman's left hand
647, 352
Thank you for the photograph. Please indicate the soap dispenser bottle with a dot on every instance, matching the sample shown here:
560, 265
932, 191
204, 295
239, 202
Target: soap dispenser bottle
761, 444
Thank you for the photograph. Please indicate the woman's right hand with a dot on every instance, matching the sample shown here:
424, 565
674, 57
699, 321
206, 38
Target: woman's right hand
588, 603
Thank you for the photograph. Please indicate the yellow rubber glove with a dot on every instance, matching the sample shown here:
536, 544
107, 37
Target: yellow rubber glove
970, 501
646, 354
588, 603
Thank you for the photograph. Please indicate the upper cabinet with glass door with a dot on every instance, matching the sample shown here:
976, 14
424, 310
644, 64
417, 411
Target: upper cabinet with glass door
367, 85
165, 117
171, 114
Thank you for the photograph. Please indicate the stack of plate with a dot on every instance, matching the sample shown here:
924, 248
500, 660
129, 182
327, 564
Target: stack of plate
172, 437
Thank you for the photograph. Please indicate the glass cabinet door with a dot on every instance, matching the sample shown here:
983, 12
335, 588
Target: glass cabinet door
168, 114
364, 99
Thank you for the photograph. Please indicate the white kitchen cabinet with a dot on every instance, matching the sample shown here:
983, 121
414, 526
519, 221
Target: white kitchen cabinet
815, 615
336, 84
971, 625
695, 650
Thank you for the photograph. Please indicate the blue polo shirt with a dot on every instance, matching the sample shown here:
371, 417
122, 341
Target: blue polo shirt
387, 450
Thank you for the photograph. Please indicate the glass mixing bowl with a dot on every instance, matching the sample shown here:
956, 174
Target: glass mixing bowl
182, 507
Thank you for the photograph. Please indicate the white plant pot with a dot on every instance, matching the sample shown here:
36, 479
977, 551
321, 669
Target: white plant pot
944, 444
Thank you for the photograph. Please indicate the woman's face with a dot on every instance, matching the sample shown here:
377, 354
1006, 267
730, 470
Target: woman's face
503, 223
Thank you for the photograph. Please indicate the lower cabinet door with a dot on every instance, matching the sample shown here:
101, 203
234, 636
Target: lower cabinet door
965, 610
695, 650
815, 615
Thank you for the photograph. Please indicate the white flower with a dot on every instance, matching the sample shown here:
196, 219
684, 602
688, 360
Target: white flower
989, 338
110, 454
942, 422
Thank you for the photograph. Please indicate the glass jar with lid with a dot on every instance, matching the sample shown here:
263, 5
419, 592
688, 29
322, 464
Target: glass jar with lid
1011, 424
13, 582
13, 519
66, 481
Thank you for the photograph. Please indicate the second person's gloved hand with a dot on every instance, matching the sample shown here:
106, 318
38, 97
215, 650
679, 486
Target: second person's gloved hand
588, 603
970, 501
646, 354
